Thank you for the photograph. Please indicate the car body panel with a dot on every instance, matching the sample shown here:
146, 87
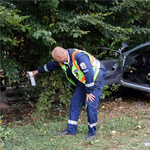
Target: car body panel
113, 71
134, 65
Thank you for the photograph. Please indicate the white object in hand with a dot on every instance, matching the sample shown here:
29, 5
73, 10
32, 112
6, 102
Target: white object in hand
32, 78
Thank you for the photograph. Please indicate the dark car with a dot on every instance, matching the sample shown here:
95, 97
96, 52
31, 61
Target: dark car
132, 69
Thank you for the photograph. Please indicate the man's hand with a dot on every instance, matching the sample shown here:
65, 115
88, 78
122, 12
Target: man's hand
35, 73
91, 97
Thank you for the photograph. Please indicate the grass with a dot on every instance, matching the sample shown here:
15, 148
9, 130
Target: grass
117, 129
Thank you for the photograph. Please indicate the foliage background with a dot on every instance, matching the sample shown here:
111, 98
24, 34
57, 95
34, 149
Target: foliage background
31, 29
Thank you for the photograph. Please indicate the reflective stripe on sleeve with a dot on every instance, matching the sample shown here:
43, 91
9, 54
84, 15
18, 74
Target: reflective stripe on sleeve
45, 68
92, 125
89, 85
72, 122
97, 63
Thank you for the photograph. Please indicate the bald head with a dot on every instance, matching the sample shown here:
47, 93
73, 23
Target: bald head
60, 54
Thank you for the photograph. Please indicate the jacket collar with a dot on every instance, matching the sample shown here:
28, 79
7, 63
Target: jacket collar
69, 62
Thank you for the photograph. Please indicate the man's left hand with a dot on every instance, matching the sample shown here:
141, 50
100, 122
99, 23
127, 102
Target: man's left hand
91, 97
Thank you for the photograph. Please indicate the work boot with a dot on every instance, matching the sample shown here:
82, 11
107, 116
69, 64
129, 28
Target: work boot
65, 133
90, 137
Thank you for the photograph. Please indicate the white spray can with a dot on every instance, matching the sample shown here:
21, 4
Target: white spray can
32, 78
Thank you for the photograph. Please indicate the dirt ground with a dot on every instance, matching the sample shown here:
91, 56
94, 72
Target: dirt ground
126, 103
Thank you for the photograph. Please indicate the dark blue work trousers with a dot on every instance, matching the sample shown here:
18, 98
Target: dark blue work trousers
77, 101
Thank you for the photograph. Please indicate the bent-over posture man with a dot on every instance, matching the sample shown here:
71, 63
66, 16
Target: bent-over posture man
87, 74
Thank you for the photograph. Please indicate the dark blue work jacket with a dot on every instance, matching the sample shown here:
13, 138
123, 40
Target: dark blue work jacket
80, 58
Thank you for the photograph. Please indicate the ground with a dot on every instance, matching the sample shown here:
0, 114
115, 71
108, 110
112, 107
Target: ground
123, 124
126, 103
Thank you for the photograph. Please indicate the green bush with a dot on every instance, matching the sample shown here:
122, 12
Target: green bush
53, 84
31, 29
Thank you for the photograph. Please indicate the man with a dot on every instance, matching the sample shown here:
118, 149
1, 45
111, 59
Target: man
87, 74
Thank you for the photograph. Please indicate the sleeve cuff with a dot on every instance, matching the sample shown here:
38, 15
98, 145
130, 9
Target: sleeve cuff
41, 70
89, 91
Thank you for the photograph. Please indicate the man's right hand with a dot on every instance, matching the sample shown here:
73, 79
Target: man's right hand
35, 73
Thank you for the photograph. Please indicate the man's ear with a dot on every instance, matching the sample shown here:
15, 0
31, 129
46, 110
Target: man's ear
61, 57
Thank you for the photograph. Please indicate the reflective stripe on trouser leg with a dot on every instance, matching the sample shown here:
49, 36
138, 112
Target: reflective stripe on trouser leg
75, 107
92, 106
92, 115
